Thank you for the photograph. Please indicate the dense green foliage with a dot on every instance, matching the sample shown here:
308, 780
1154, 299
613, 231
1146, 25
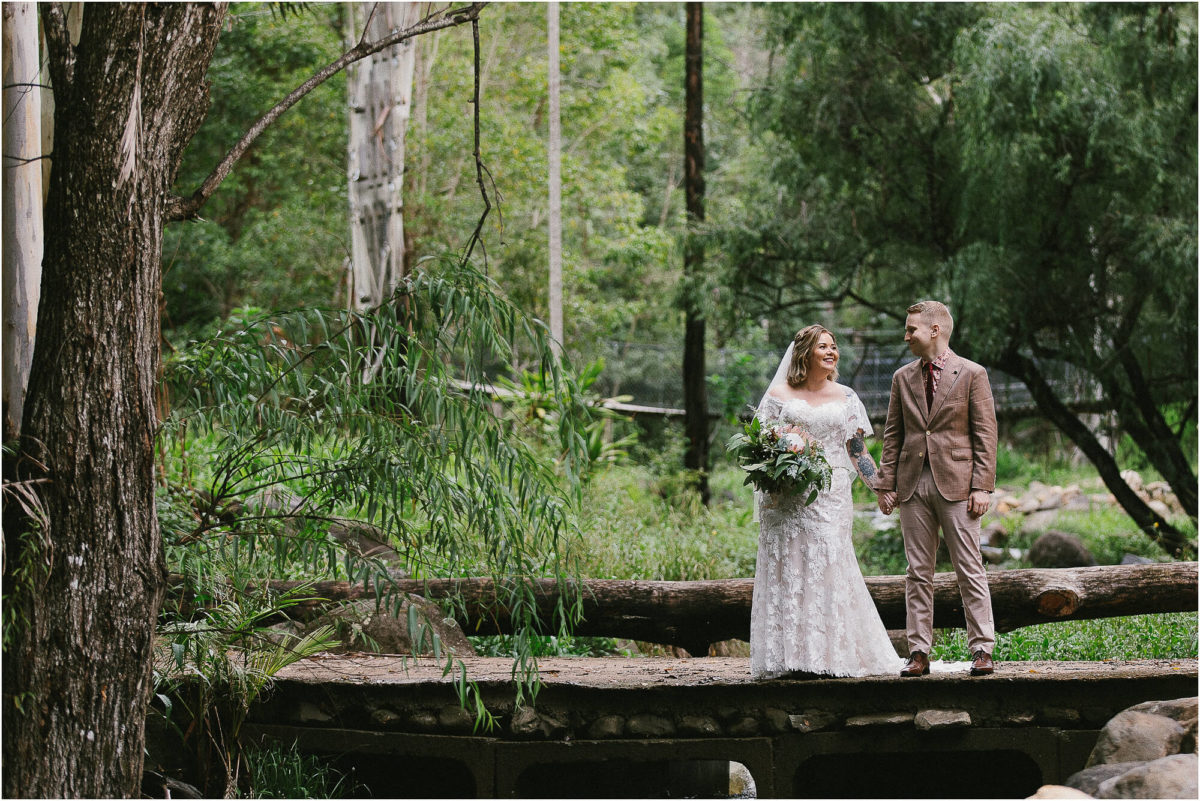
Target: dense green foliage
1033, 165
293, 451
275, 233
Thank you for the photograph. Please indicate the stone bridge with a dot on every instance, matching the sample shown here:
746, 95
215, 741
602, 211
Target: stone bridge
652, 727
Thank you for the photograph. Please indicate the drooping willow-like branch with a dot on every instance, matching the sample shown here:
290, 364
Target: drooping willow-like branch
181, 208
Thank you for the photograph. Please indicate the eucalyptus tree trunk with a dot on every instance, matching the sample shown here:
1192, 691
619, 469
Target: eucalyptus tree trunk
555, 153
695, 392
22, 191
380, 98
84, 573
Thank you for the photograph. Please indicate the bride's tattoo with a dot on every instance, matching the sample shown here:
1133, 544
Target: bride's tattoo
862, 460
866, 466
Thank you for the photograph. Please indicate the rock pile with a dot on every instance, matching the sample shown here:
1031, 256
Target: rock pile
1041, 497
1146, 751
1038, 506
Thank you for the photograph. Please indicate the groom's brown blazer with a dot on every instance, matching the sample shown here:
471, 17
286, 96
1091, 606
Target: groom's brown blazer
957, 436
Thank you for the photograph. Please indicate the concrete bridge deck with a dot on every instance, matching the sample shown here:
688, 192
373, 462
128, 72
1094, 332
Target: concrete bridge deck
652, 727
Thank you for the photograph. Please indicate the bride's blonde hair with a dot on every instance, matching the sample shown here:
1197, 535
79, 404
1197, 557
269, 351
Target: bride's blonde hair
802, 345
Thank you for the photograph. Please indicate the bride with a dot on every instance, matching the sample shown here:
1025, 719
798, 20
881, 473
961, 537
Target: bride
811, 612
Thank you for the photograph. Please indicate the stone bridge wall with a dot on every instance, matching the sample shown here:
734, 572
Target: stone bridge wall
646, 727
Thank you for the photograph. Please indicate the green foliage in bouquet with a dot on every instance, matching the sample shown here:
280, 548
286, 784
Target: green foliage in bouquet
778, 462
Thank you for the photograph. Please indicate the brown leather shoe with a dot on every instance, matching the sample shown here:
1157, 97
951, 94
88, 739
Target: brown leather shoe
981, 664
917, 665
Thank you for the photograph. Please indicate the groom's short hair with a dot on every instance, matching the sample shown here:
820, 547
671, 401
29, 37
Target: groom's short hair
932, 312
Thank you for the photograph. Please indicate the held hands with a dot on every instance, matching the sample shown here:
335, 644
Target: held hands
978, 502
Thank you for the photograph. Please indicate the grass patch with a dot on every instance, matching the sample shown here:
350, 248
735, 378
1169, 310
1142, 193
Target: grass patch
637, 524
1161, 636
283, 772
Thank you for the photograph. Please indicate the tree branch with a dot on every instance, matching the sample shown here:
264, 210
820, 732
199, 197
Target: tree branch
479, 168
179, 208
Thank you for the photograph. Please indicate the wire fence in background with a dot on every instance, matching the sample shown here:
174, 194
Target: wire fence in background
652, 375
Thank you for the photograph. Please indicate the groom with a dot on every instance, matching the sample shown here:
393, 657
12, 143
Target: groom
939, 462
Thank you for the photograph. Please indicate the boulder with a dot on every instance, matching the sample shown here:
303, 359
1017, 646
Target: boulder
1058, 791
993, 535
1160, 508
1051, 498
1134, 559
363, 627
1004, 505
528, 722
1157, 489
930, 719
1029, 503
607, 727
1089, 780
1136, 736
699, 726
1181, 710
1060, 549
811, 720
1169, 777
1133, 479
1077, 502
648, 725
1038, 521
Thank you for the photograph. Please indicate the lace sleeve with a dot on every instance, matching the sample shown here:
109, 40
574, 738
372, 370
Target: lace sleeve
769, 410
856, 417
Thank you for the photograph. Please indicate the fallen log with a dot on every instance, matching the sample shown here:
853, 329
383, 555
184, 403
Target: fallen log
693, 614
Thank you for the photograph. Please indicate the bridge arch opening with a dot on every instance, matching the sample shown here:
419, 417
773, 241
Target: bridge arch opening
370, 775
625, 778
939, 773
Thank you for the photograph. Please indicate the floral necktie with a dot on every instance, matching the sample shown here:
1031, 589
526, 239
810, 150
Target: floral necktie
929, 385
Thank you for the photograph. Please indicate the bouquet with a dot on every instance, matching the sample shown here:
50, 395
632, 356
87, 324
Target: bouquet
778, 461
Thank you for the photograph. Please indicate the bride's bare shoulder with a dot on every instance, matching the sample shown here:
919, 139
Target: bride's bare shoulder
782, 392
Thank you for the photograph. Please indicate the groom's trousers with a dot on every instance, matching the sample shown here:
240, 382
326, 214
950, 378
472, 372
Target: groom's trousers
920, 518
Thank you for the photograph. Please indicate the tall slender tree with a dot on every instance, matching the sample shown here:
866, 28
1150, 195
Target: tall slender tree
695, 392
22, 245
555, 151
380, 99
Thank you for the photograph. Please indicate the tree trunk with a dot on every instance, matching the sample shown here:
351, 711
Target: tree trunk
1150, 522
380, 98
693, 614
85, 582
22, 244
1163, 448
695, 391
554, 223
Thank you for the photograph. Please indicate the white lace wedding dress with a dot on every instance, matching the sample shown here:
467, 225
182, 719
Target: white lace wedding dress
811, 610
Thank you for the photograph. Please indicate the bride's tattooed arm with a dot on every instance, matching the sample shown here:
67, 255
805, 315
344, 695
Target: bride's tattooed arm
861, 457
